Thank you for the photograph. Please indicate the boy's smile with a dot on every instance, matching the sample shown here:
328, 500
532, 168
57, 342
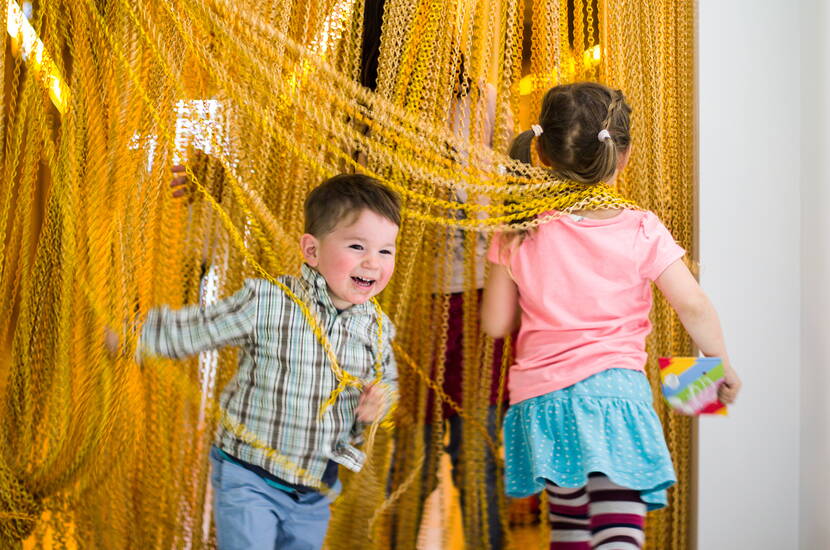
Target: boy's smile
356, 258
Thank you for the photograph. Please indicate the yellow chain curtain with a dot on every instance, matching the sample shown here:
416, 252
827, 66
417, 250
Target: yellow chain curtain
262, 102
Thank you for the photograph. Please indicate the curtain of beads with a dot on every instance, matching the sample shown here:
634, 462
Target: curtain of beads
263, 101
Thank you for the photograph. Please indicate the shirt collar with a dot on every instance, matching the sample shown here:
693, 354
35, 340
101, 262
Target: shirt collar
317, 287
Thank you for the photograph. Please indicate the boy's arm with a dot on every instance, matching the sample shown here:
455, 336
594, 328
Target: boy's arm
193, 329
389, 375
378, 399
700, 319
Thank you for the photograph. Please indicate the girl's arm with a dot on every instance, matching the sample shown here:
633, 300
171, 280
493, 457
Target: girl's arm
500, 304
700, 319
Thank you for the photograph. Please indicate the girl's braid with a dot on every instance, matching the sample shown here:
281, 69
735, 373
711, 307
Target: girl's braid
617, 100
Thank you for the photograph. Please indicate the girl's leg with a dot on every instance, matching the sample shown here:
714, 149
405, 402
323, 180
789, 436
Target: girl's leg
617, 515
568, 516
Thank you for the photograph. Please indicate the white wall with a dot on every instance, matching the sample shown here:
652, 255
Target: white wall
815, 275
749, 181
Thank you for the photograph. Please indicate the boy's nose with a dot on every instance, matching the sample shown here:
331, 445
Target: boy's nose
371, 261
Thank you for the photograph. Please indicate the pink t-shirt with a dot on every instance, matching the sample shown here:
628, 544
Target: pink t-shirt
585, 295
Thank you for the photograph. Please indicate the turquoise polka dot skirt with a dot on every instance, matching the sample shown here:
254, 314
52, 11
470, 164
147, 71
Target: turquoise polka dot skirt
605, 423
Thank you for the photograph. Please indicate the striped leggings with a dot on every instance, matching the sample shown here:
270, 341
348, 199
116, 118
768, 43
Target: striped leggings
599, 516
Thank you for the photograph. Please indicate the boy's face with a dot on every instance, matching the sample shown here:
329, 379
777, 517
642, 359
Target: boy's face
356, 258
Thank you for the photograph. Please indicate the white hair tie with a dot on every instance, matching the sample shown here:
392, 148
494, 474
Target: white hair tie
537, 130
603, 135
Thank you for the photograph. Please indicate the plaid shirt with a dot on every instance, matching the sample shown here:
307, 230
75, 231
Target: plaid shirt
284, 376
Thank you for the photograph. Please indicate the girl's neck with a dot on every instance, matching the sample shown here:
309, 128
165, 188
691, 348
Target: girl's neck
604, 213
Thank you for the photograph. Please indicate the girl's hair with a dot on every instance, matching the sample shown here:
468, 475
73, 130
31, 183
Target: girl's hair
572, 120
519, 150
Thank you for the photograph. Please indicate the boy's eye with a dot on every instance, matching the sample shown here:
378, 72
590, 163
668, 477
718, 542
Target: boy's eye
356, 246
385, 251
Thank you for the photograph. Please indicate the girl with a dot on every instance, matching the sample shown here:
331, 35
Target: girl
581, 422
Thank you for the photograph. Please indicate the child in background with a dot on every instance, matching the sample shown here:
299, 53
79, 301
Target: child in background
581, 421
473, 120
285, 377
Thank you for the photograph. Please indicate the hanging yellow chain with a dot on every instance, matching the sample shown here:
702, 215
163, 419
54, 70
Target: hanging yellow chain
86, 226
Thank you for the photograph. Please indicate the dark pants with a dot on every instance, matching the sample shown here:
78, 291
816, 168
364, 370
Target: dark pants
453, 388
490, 472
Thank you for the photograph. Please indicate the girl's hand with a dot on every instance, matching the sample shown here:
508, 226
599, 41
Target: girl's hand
373, 404
728, 390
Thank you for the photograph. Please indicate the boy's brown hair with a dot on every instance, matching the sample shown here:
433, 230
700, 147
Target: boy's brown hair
346, 195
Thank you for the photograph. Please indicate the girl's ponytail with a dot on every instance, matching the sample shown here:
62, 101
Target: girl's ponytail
604, 164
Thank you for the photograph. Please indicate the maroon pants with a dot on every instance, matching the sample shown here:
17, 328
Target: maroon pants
453, 361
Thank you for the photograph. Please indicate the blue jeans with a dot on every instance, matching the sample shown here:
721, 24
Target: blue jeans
250, 513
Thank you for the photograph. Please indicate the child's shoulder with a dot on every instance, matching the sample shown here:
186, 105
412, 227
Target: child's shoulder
368, 316
628, 217
647, 215
267, 289
650, 223
639, 224
365, 321
388, 326
611, 230
611, 219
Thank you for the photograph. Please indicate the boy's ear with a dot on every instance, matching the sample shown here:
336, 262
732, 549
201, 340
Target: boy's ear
310, 247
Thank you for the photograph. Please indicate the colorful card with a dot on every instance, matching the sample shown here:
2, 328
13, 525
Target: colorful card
690, 384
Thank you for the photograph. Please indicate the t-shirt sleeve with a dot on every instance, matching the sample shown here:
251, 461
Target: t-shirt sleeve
494, 251
656, 248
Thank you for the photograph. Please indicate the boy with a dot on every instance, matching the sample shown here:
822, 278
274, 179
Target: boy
285, 377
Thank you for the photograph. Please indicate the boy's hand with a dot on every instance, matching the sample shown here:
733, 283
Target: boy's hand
373, 404
111, 341
113, 344
728, 390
